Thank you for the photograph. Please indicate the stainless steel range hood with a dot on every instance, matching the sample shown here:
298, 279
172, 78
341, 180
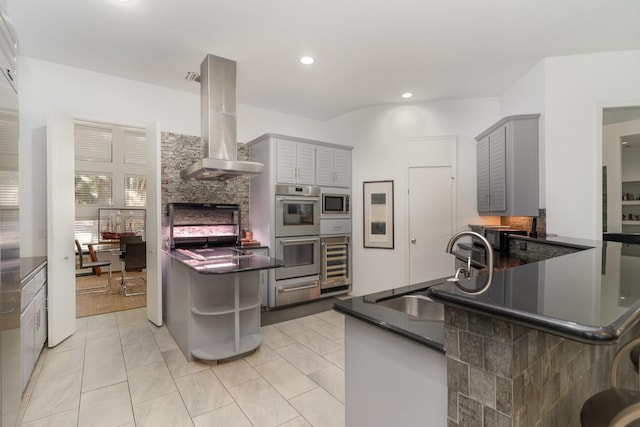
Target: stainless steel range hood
218, 111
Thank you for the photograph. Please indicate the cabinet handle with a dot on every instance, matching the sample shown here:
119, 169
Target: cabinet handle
303, 240
299, 288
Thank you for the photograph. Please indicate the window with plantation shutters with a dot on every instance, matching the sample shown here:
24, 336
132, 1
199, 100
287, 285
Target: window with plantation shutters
93, 189
135, 147
93, 143
110, 164
8, 133
135, 191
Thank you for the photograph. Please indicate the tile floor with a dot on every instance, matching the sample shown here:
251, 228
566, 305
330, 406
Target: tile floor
118, 369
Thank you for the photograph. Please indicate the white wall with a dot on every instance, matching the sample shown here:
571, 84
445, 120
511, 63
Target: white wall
527, 96
94, 96
577, 87
379, 136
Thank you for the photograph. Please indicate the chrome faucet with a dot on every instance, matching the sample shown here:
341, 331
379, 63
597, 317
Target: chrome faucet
466, 272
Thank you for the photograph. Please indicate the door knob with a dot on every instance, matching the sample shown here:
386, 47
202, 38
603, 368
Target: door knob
413, 241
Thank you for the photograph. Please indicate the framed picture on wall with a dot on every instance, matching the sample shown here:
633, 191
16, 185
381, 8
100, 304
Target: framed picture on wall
378, 214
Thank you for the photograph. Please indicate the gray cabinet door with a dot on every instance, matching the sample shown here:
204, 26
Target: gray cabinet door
286, 162
333, 167
497, 170
306, 161
28, 343
296, 162
40, 320
342, 167
483, 174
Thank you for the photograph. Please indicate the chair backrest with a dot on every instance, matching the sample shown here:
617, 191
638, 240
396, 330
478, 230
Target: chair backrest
135, 257
79, 250
128, 239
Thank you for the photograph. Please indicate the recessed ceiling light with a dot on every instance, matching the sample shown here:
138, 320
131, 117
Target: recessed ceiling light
407, 95
625, 142
307, 60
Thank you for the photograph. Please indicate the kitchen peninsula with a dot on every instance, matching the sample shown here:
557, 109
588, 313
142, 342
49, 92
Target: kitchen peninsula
524, 353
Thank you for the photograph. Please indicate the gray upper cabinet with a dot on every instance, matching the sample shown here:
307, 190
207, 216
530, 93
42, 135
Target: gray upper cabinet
333, 167
507, 155
296, 162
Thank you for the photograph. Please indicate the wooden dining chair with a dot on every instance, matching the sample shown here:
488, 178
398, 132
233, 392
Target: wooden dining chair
614, 407
94, 265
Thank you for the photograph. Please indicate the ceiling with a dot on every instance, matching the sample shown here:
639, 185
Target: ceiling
367, 52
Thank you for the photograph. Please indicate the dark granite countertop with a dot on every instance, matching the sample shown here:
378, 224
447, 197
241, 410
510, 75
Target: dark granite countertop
591, 296
28, 265
427, 332
229, 265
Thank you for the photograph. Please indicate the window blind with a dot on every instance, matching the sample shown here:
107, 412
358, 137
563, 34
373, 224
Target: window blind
93, 143
135, 147
8, 133
135, 190
93, 189
9, 190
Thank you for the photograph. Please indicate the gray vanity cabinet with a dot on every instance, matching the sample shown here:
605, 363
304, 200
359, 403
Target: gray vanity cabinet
507, 169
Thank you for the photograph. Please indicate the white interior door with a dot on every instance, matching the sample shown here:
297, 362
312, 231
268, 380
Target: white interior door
60, 227
431, 222
154, 224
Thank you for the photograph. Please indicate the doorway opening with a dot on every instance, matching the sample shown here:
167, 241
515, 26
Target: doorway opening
110, 206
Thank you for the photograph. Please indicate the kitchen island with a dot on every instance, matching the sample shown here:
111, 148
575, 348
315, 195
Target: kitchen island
536, 345
212, 306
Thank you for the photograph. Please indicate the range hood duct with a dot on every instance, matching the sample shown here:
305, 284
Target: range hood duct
218, 121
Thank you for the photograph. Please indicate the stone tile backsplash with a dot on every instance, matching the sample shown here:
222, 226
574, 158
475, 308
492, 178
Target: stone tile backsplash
524, 222
502, 374
180, 151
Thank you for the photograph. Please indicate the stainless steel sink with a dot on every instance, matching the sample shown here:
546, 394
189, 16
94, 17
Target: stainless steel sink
416, 306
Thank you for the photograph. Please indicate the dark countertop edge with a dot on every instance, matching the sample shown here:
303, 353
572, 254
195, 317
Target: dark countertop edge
402, 290
238, 270
570, 330
389, 327
34, 263
633, 238
551, 242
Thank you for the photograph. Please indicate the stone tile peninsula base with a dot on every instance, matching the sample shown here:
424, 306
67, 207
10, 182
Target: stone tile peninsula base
502, 374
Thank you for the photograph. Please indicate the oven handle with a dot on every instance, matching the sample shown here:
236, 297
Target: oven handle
299, 199
293, 241
299, 288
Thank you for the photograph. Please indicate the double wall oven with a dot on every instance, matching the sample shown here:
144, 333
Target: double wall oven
297, 244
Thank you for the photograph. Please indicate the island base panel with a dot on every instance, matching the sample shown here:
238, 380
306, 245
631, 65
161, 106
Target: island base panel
391, 380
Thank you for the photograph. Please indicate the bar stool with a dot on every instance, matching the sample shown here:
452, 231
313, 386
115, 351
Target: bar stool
614, 407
